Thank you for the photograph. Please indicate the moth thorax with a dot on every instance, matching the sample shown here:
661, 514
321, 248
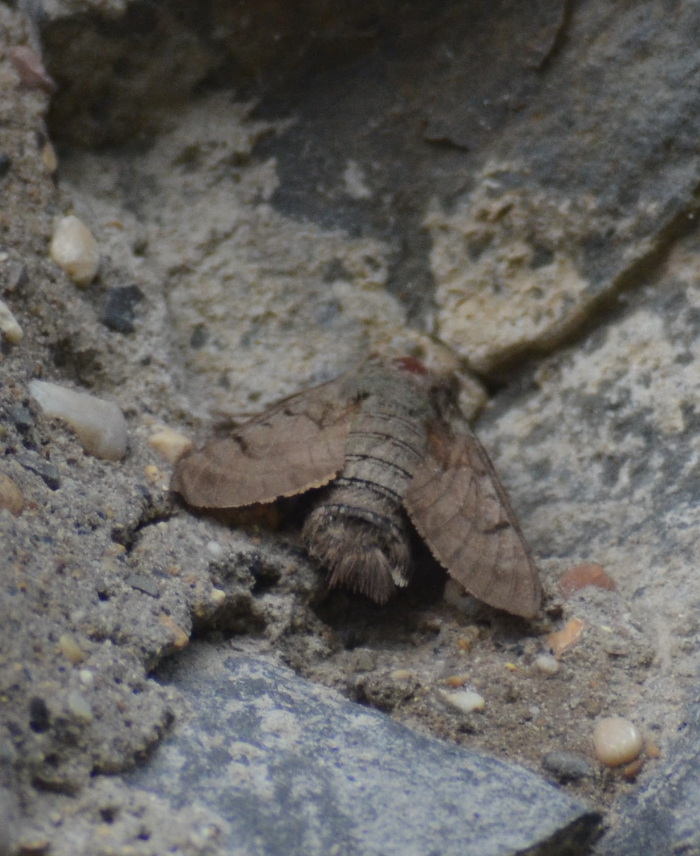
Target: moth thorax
364, 550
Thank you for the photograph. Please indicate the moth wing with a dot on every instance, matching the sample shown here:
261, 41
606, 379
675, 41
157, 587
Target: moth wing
461, 510
296, 445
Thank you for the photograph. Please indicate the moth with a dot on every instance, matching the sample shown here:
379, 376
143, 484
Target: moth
387, 446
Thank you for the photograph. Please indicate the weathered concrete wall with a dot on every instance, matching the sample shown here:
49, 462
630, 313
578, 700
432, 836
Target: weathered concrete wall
510, 186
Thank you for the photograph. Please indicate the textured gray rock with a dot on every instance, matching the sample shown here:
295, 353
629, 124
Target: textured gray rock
293, 768
663, 818
502, 173
623, 409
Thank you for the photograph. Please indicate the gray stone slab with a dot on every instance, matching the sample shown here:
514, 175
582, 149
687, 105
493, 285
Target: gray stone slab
294, 768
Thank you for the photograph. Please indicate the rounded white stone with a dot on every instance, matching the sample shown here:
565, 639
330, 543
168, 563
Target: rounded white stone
9, 326
617, 741
99, 424
218, 596
87, 678
467, 701
547, 664
170, 444
75, 250
70, 649
215, 549
79, 707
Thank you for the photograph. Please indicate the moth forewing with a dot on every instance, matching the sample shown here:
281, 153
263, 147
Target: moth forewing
461, 510
296, 445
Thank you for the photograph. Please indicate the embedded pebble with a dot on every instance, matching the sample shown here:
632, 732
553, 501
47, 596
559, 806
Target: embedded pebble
22, 418
75, 250
567, 766
215, 550
11, 496
651, 749
466, 701
87, 678
455, 681
5, 164
118, 313
99, 424
49, 158
79, 707
31, 69
9, 326
70, 649
617, 741
180, 639
217, 596
170, 444
401, 675
144, 584
547, 664
153, 474
562, 639
468, 637
47, 471
631, 771
581, 576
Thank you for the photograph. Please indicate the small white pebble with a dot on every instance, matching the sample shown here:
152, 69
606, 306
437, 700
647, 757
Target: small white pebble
616, 741
87, 678
401, 675
170, 445
70, 649
48, 156
9, 326
215, 549
75, 250
547, 664
11, 496
79, 707
99, 424
466, 701
153, 474
218, 596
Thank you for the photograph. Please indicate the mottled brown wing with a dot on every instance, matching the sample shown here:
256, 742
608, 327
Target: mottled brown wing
461, 510
294, 446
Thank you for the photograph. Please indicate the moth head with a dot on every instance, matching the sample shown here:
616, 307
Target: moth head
440, 384
412, 366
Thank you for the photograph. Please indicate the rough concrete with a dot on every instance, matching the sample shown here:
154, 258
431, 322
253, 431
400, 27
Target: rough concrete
517, 180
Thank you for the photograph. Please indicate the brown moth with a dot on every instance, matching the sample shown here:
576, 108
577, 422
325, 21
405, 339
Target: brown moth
387, 443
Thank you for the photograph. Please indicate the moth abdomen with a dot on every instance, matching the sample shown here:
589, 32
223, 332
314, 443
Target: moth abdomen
382, 462
365, 549
342, 511
372, 488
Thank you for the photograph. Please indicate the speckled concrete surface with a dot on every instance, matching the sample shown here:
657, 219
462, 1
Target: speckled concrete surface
279, 209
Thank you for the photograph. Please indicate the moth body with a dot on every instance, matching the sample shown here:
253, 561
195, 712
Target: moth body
386, 444
359, 529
